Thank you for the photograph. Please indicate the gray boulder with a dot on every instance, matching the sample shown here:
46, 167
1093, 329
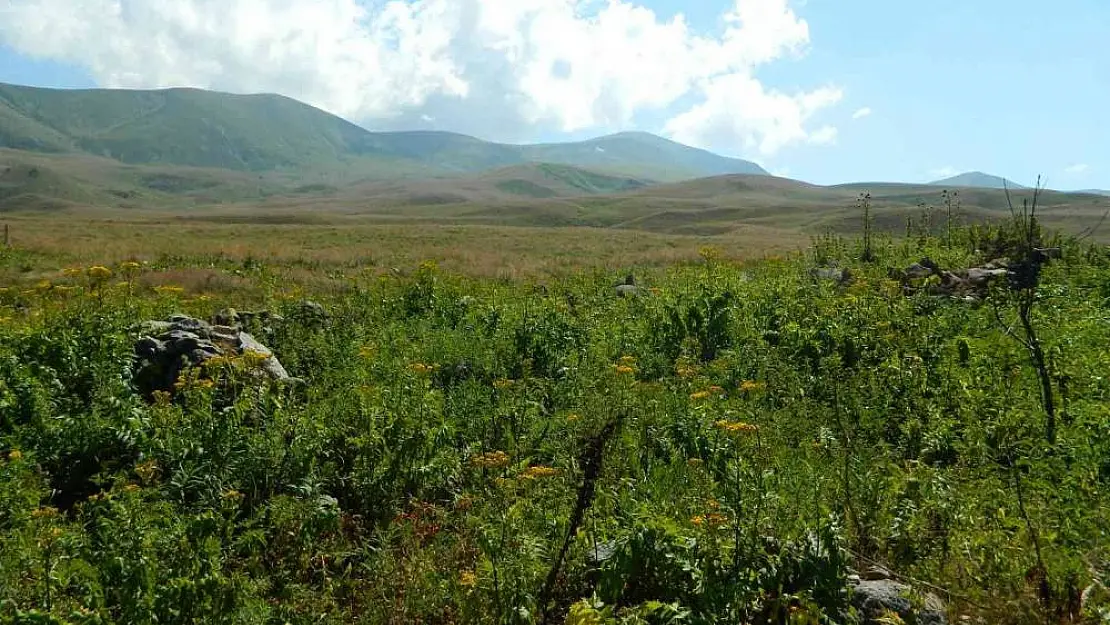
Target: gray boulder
164, 349
874, 598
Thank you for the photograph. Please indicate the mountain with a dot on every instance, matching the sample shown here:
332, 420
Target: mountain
641, 154
1094, 191
266, 133
977, 179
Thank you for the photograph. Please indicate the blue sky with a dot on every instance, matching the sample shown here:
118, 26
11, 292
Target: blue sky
907, 91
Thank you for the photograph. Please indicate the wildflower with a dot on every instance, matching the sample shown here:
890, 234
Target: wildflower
539, 471
751, 386
502, 383
685, 371
146, 470
419, 367
655, 290
45, 512
713, 519
168, 289
468, 579
491, 460
712, 504
14, 455
572, 417
623, 369
700, 395
695, 462
715, 390
44, 285
56, 532
131, 488
130, 266
99, 273
735, 427
251, 358
72, 272
628, 360
161, 398
232, 495
366, 351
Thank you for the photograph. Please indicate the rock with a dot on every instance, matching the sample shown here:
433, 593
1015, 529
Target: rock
166, 348
980, 276
628, 288
835, 274
875, 597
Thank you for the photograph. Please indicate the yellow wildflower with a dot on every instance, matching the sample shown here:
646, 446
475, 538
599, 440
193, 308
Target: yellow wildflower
131, 488
73, 272
232, 495
502, 383
752, 386
700, 395
99, 273
419, 367
45, 512
628, 360
623, 369
468, 579
366, 351
715, 390
169, 289
252, 359
14, 455
539, 471
130, 266
695, 462
685, 371
146, 470
735, 427
713, 519
572, 417
44, 285
491, 460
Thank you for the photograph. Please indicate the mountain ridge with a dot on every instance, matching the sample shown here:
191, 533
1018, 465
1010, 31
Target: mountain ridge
269, 132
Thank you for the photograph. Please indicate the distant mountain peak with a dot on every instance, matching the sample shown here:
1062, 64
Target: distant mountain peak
977, 179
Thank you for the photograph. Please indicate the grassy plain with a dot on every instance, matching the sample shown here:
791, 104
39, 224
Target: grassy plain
468, 447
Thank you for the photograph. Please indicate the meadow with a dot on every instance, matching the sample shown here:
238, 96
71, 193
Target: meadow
487, 433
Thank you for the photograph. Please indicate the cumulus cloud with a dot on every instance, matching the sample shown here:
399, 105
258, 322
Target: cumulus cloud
861, 113
1077, 169
495, 68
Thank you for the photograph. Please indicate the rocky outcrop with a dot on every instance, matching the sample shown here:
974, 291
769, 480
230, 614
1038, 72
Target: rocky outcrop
165, 349
969, 284
875, 599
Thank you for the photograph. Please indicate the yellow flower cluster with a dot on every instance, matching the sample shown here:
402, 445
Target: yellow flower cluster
686, 371
146, 470
624, 369
713, 519
468, 579
539, 471
502, 383
130, 266
735, 427
46, 512
100, 273
419, 367
491, 460
14, 455
700, 395
232, 495
749, 386
169, 289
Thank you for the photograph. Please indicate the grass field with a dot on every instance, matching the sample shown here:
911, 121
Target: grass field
485, 432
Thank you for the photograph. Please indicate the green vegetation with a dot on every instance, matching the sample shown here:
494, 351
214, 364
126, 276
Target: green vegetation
270, 133
722, 448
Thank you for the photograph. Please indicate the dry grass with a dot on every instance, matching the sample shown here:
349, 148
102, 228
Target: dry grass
485, 251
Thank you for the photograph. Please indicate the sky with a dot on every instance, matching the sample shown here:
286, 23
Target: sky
826, 91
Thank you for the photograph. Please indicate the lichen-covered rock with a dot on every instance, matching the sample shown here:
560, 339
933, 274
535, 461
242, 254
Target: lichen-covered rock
876, 598
164, 349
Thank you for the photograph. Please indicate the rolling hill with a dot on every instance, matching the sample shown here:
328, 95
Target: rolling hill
977, 179
271, 133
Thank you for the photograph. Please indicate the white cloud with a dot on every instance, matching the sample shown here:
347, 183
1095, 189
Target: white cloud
1077, 169
861, 113
943, 172
494, 68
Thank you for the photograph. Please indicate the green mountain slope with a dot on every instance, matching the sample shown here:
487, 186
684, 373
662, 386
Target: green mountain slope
641, 154
261, 133
977, 179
